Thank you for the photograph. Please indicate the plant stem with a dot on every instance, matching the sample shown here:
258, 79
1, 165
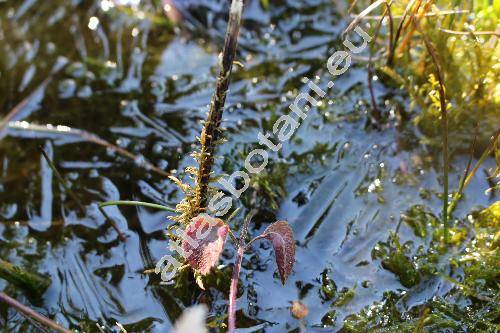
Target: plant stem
33, 283
375, 110
444, 121
136, 203
61, 180
113, 224
233, 290
211, 130
75, 197
29, 313
461, 185
444, 125
241, 246
468, 174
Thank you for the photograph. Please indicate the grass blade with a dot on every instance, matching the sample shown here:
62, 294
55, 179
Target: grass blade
136, 203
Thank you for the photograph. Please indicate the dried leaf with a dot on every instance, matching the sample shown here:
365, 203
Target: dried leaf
199, 281
281, 236
120, 326
299, 310
360, 16
204, 242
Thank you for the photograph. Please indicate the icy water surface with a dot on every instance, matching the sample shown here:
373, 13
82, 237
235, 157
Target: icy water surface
84, 70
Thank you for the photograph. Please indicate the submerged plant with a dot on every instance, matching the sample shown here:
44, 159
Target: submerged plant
196, 198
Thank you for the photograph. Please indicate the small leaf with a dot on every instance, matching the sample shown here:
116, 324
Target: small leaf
204, 242
281, 235
199, 280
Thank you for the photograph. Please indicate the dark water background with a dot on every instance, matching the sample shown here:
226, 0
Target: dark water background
144, 85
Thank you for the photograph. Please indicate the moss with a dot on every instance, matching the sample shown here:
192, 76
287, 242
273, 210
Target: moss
471, 306
418, 218
268, 186
437, 315
33, 283
490, 217
481, 257
345, 296
328, 288
395, 258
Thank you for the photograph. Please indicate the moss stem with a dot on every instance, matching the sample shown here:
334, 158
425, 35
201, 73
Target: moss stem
211, 130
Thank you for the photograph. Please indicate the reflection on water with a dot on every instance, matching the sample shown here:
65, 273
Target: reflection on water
123, 72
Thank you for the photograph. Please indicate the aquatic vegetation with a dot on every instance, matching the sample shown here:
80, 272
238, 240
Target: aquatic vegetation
437, 315
448, 68
395, 258
34, 284
382, 243
465, 41
481, 257
471, 305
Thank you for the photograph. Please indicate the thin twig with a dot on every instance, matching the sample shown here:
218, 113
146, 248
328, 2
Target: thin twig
391, 24
241, 247
230, 232
486, 153
233, 290
211, 130
32, 314
86, 136
76, 199
398, 17
399, 31
415, 19
62, 181
58, 66
360, 16
468, 33
246, 223
113, 224
20, 106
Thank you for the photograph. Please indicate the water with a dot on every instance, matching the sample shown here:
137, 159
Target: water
126, 76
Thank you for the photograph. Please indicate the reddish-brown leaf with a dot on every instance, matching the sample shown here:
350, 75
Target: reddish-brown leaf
281, 236
204, 242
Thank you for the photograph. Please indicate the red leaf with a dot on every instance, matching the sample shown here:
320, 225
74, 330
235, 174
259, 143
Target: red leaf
281, 235
204, 242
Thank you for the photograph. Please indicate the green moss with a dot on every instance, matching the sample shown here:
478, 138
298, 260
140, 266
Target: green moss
472, 305
490, 217
395, 258
269, 185
345, 296
328, 288
481, 257
437, 315
418, 218
34, 283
